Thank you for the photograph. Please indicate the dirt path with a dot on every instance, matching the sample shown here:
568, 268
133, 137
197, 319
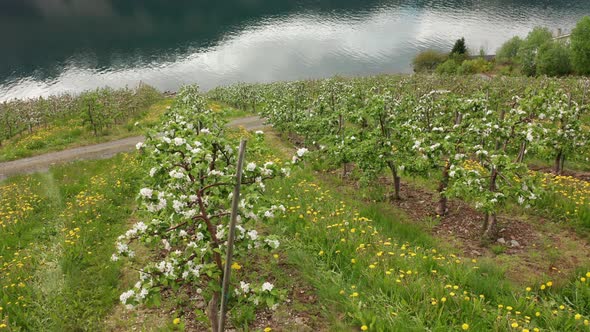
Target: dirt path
97, 151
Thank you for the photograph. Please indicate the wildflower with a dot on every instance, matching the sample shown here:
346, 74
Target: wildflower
146, 192
364, 328
176, 321
549, 283
236, 266
301, 152
578, 317
514, 324
465, 326
267, 286
245, 286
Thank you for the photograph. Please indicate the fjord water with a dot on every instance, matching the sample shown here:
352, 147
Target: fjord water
53, 46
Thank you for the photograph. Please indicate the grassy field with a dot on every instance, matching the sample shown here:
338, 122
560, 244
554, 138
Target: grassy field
56, 242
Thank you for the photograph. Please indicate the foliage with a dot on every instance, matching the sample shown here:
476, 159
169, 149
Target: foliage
527, 54
580, 44
406, 127
448, 67
427, 61
553, 59
459, 48
478, 65
509, 50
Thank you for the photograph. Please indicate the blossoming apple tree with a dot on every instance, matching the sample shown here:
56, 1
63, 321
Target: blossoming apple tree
185, 206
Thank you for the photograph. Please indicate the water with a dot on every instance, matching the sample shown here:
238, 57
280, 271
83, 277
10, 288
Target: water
53, 46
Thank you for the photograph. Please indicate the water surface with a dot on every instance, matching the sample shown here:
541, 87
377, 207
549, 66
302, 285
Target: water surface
53, 46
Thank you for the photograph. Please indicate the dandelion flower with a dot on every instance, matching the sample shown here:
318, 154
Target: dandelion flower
465, 326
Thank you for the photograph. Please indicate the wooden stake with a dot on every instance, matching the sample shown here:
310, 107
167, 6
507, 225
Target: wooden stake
231, 237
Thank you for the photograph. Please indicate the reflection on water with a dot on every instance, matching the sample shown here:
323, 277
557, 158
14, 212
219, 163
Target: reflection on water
73, 45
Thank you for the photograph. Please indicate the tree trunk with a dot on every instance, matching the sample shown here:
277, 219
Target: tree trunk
441, 208
557, 167
490, 226
562, 163
490, 231
213, 311
396, 181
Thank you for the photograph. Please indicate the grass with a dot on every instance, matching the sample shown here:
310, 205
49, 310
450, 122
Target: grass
383, 273
55, 250
363, 264
71, 133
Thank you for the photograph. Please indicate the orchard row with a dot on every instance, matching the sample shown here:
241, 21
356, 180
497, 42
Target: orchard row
473, 135
96, 110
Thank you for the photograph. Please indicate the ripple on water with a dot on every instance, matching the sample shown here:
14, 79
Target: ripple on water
306, 40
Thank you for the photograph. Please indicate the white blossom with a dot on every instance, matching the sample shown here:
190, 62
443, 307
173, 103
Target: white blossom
146, 192
267, 287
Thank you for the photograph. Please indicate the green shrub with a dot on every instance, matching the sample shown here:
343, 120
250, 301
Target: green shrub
428, 60
527, 53
478, 65
580, 45
553, 59
509, 50
448, 67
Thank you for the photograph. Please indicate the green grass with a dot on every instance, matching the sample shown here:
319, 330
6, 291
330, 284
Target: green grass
72, 133
56, 272
376, 269
365, 264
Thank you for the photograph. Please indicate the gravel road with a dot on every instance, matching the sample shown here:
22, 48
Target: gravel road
98, 151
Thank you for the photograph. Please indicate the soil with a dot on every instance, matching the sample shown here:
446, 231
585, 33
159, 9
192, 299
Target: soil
543, 247
462, 225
